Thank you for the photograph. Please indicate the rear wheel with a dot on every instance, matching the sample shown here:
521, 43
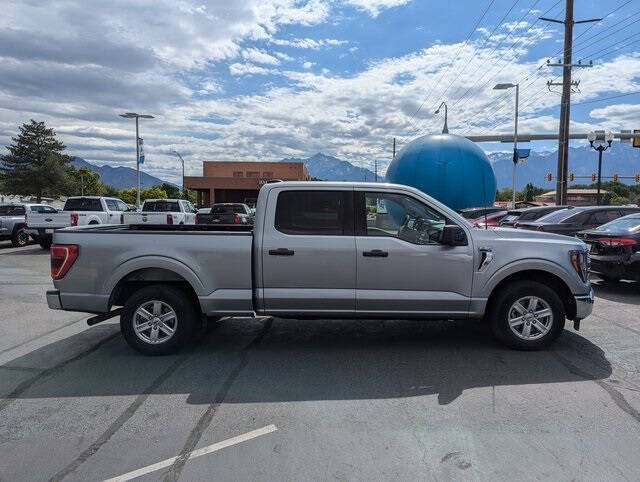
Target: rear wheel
158, 320
45, 241
19, 238
527, 315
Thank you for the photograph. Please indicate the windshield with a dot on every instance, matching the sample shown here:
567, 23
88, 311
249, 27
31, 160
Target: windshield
628, 223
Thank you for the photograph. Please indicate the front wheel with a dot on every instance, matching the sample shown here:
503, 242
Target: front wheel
527, 315
158, 320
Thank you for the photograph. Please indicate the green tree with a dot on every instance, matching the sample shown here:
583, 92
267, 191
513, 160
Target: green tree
155, 192
173, 192
83, 181
128, 195
35, 163
530, 192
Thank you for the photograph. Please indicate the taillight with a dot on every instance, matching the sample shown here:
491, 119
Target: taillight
236, 219
62, 257
539, 228
122, 219
74, 219
516, 224
618, 241
169, 219
195, 221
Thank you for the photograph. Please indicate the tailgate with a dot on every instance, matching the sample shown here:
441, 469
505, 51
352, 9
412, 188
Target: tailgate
49, 220
145, 218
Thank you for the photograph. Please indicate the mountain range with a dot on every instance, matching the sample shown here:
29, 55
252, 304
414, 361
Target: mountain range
119, 177
583, 161
620, 158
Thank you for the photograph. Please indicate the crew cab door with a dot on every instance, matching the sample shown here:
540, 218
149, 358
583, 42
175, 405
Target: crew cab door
308, 252
401, 265
113, 211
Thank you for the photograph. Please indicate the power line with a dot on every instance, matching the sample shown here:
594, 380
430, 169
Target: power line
464, 44
607, 98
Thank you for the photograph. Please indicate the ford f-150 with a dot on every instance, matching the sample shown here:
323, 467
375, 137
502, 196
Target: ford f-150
323, 250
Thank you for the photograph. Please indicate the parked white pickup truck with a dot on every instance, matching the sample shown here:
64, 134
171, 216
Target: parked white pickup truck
77, 211
162, 211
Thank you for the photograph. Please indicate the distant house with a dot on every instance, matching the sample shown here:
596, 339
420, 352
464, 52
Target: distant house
575, 197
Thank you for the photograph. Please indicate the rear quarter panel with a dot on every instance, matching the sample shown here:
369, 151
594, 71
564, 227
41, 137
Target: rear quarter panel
216, 265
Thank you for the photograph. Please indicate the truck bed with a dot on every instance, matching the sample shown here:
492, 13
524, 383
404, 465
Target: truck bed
215, 260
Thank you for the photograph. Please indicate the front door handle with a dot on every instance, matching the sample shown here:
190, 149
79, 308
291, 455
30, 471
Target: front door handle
281, 252
375, 253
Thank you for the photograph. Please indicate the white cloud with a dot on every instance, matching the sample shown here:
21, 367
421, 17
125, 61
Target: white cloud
374, 7
308, 43
249, 69
308, 65
259, 57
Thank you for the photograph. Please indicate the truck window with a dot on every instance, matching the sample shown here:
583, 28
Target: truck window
399, 216
43, 209
112, 205
11, 210
83, 204
314, 212
161, 206
122, 206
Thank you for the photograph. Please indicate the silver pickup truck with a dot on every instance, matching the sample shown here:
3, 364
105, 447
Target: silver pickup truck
323, 250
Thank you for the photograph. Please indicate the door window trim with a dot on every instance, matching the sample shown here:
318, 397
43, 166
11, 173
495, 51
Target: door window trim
348, 228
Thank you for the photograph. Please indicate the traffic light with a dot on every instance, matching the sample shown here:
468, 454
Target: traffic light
549, 176
593, 177
571, 177
637, 176
615, 178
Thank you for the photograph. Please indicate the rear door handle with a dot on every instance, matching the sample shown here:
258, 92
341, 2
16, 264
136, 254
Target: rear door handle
375, 253
281, 252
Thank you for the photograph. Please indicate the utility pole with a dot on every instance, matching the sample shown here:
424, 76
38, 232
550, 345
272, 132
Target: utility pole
565, 103
136, 116
394, 148
375, 169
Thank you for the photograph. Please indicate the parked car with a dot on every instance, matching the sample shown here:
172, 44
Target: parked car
318, 251
473, 213
573, 219
615, 248
162, 211
77, 211
491, 220
13, 225
225, 213
516, 216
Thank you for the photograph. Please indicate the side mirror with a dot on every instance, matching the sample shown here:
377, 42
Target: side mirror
454, 235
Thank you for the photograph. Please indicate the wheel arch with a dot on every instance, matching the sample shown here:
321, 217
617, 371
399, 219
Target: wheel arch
543, 277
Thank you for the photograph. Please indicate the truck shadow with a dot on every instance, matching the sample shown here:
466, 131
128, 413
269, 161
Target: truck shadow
258, 361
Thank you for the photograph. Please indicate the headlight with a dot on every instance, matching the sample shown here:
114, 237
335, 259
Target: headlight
581, 262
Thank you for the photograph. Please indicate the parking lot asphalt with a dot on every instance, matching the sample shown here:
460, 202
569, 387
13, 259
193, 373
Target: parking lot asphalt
271, 399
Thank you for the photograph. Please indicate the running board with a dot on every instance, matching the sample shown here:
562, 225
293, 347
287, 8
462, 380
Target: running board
94, 320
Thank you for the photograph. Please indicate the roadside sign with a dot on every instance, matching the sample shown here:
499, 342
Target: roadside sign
141, 144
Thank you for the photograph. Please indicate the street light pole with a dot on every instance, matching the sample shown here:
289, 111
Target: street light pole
182, 161
515, 136
136, 116
445, 128
600, 137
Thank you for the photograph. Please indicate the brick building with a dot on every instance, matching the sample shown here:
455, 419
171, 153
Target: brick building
231, 181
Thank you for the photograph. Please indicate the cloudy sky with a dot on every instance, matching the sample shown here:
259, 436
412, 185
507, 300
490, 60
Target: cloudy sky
268, 79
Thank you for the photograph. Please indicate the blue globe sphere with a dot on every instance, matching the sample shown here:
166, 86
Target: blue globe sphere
450, 168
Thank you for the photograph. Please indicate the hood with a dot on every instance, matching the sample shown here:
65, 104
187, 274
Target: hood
529, 236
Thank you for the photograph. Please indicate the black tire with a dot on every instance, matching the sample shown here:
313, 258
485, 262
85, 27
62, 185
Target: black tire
502, 308
175, 299
45, 242
19, 238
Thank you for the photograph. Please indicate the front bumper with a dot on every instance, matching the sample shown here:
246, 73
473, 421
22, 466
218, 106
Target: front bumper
53, 299
584, 305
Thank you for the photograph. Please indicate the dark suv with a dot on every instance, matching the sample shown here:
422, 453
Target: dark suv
513, 218
573, 219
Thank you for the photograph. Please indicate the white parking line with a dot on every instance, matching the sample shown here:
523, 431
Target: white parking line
196, 453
